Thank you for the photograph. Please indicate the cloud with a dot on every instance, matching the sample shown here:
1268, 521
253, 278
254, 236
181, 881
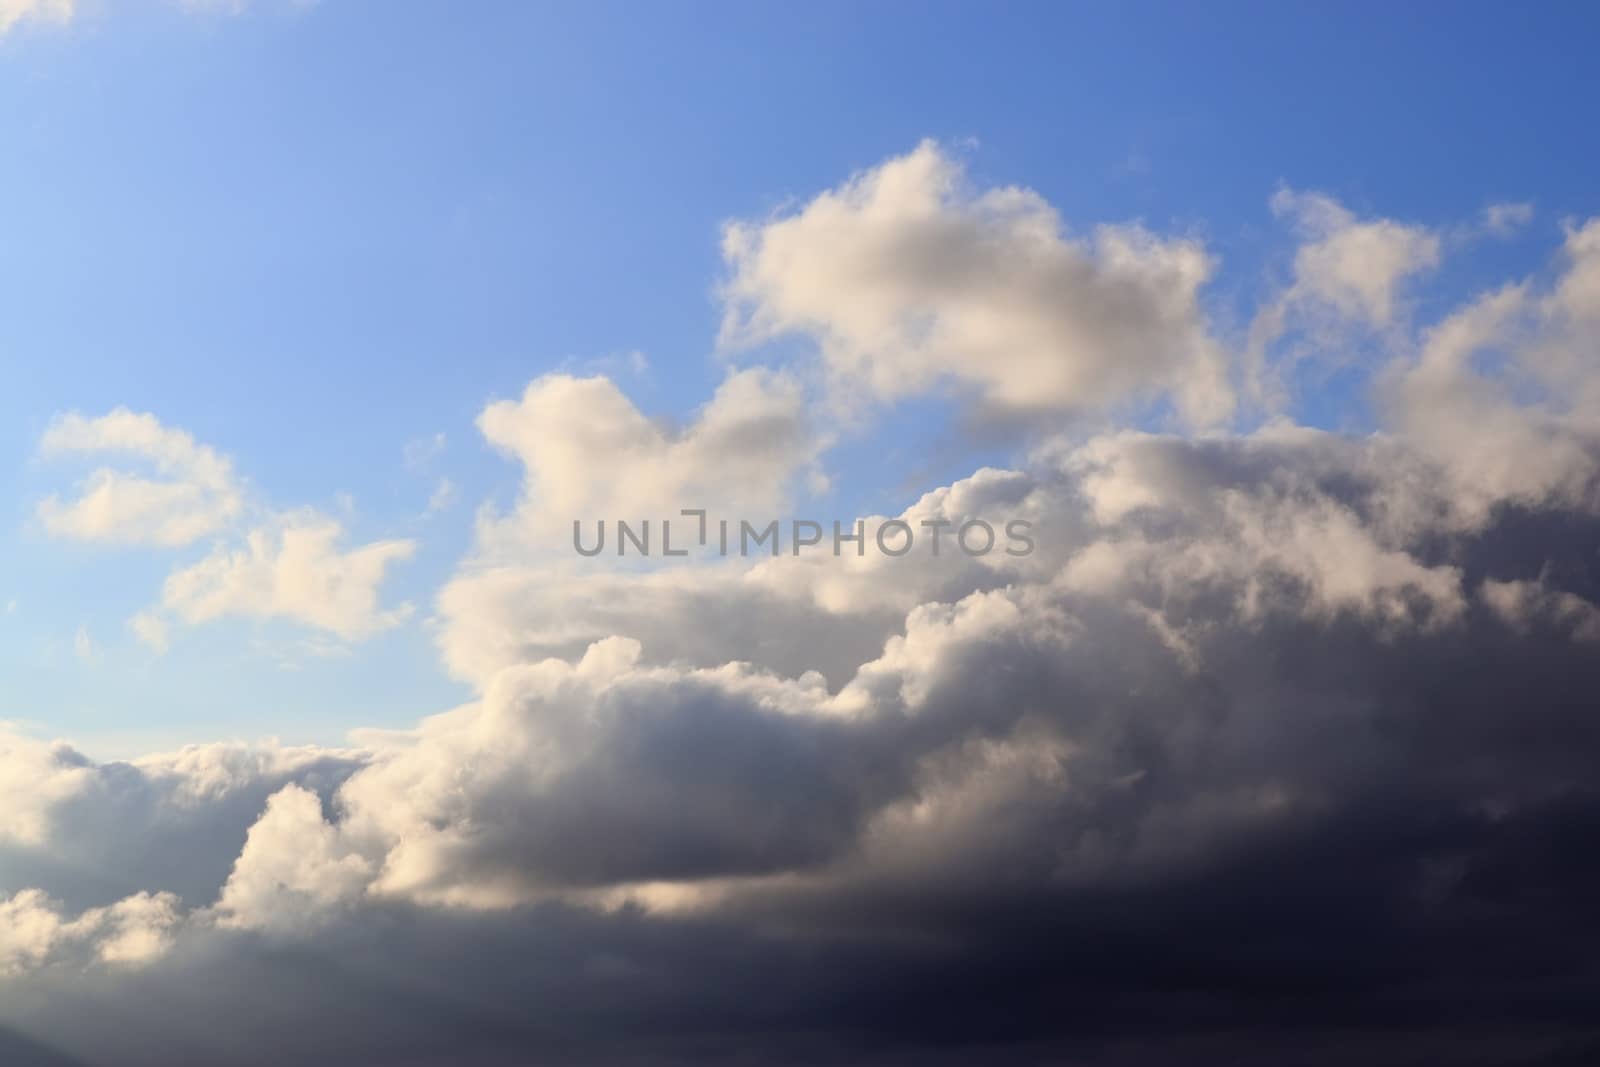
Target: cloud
83, 647
1282, 731
1502, 220
293, 570
132, 931
90, 833
287, 565
1503, 393
1195, 723
1353, 266
443, 495
420, 455
61, 12
291, 868
196, 496
14, 12
1348, 281
151, 630
741, 454
907, 278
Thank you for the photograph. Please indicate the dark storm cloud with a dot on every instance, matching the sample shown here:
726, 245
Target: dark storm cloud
1348, 843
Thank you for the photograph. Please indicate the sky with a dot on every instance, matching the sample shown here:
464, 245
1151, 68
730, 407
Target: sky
320, 322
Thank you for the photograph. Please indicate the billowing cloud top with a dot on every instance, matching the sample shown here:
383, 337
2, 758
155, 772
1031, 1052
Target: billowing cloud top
907, 277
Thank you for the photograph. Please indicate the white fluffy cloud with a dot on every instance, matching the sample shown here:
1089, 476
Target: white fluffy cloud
195, 495
292, 867
34, 777
1348, 282
589, 454
294, 570
1351, 265
286, 565
135, 930
908, 278
1505, 392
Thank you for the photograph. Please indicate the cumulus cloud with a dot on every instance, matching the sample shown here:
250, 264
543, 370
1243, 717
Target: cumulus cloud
1353, 266
1285, 729
907, 277
786, 613
91, 833
196, 495
1348, 274
290, 565
292, 867
33, 930
1504, 391
741, 453
293, 570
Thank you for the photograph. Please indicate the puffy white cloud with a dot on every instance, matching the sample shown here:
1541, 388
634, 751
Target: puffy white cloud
1505, 393
34, 777
290, 565
292, 867
1348, 282
294, 570
741, 454
132, 931
29, 926
196, 495
908, 278
1353, 266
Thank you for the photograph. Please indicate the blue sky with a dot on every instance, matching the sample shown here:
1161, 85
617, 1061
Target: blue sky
313, 236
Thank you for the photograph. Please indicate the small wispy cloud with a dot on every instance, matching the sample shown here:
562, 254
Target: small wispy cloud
83, 646
1502, 220
151, 630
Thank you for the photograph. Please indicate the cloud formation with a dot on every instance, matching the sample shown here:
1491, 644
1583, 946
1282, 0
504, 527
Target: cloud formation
13, 12
1281, 730
907, 278
742, 453
196, 495
295, 570
287, 565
